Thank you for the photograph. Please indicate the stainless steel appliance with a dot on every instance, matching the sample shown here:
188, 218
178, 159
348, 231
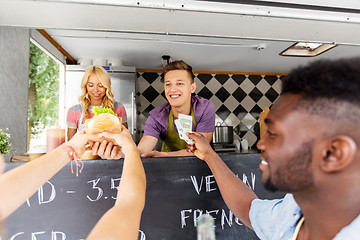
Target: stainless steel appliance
223, 138
123, 84
223, 134
225, 147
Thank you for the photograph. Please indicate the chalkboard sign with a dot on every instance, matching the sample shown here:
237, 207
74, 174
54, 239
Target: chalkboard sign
179, 189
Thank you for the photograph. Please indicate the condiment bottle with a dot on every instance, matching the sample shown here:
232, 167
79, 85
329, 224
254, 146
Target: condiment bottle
205, 227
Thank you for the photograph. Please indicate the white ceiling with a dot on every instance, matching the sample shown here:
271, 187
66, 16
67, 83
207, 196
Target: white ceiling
210, 36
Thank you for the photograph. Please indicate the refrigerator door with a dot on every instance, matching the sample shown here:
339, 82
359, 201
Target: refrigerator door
123, 85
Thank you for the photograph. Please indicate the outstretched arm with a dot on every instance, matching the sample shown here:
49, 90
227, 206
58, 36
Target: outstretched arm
20, 183
70, 133
236, 194
147, 144
122, 221
183, 152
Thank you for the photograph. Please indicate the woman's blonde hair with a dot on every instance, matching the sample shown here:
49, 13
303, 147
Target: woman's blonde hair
107, 101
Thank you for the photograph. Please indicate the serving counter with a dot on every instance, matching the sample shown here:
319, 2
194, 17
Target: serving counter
179, 189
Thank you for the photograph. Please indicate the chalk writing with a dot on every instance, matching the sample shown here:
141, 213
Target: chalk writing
253, 178
196, 185
225, 219
40, 194
208, 183
55, 235
115, 185
99, 190
142, 235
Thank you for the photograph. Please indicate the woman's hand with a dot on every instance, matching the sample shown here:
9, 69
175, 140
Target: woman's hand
108, 150
80, 139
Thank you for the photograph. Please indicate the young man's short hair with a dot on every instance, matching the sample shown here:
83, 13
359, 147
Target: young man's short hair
179, 65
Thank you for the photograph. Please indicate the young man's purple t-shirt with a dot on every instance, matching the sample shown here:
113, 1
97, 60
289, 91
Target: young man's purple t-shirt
204, 112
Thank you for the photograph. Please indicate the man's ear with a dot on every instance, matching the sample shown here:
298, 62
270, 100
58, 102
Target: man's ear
193, 87
338, 154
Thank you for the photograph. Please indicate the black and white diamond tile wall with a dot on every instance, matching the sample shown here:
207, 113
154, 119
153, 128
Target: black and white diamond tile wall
238, 99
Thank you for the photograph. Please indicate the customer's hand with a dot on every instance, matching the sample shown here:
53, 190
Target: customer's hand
80, 139
123, 144
107, 150
202, 148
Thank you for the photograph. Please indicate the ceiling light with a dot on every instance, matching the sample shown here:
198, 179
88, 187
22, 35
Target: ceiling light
165, 60
307, 49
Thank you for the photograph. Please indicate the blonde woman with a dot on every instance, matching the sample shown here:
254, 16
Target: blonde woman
95, 91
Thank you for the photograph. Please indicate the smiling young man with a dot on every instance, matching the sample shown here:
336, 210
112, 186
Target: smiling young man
179, 86
312, 151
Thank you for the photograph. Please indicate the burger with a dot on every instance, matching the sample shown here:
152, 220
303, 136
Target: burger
104, 120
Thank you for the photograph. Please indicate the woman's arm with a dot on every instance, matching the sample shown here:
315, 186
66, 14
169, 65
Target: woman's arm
20, 183
122, 221
70, 133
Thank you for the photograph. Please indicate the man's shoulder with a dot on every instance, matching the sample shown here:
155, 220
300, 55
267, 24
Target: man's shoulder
161, 110
200, 100
203, 106
288, 199
351, 231
274, 217
156, 123
281, 207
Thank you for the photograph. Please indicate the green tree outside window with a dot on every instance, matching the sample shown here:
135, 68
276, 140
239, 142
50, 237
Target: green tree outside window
43, 108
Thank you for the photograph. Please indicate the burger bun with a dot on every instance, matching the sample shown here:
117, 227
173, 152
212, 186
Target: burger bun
104, 122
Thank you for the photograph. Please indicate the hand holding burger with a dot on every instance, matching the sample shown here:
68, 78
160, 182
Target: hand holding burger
104, 120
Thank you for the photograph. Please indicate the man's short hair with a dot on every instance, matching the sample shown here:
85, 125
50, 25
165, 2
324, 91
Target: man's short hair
328, 88
337, 80
179, 65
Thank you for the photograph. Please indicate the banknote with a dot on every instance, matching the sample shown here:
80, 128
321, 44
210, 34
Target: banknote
184, 125
179, 128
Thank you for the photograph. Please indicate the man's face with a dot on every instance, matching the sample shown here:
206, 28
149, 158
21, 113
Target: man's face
287, 148
178, 88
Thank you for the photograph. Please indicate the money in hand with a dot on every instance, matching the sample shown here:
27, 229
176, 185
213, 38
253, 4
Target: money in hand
184, 125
